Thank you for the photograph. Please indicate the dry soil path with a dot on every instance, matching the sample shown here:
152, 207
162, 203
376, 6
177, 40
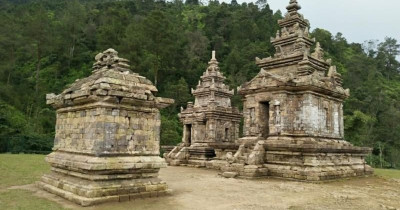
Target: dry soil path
194, 188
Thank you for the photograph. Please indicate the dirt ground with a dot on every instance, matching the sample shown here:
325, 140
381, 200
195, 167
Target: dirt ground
194, 188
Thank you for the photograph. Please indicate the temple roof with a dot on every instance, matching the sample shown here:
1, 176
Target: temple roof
212, 82
293, 6
212, 96
294, 64
111, 81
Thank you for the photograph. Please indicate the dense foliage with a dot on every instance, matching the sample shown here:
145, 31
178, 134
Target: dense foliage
47, 44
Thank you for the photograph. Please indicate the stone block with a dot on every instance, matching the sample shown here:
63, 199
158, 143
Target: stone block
229, 174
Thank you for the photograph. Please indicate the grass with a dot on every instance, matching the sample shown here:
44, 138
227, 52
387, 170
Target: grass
21, 169
388, 173
22, 199
18, 170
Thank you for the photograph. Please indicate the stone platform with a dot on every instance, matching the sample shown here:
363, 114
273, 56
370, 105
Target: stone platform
315, 160
89, 180
303, 159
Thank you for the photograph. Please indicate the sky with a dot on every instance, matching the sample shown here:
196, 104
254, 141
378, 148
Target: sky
357, 20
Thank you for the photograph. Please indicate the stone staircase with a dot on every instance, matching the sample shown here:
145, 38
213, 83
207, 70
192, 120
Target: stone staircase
247, 162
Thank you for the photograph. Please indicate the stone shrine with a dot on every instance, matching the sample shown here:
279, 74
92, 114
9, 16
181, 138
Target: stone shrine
209, 123
293, 114
106, 146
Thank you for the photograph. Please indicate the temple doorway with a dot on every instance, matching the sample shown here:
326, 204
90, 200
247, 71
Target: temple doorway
188, 134
264, 118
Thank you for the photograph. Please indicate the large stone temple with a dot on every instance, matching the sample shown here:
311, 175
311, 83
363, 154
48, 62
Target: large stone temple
106, 145
293, 115
209, 123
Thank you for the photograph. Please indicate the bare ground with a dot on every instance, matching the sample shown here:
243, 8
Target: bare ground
194, 188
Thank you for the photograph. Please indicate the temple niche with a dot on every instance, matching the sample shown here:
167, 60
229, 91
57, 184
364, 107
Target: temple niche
106, 146
293, 114
209, 123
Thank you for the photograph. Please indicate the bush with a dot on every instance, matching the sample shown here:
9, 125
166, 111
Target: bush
33, 143
171, 130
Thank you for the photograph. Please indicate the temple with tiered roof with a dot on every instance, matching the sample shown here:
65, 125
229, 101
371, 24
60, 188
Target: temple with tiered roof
210, 122
293, 114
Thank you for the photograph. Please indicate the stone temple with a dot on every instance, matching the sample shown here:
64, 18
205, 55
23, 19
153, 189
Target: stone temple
209, 123
293, 115
106, 145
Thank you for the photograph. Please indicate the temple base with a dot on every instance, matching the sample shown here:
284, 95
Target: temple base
88, 180
311, 159
298, 158
190, 156
88, 193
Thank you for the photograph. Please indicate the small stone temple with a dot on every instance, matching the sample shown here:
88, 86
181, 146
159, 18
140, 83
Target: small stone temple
293, 115
106, 146
209, 123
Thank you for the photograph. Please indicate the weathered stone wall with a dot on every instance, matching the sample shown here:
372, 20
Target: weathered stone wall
321, 116
203, 101
303, 113
108, 131
315, 166
199, 133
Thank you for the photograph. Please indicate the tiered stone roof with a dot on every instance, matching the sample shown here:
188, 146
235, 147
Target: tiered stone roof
111, 81
294, 63
211, 86
212, 96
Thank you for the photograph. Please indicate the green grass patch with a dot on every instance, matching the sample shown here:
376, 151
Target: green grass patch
21, 169
387, 173
22, 199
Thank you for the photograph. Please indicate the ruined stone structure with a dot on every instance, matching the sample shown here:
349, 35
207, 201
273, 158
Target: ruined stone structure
106, 146
293, 115
209, 123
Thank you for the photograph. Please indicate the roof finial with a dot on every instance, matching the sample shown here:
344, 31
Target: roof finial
213, 60
293, 7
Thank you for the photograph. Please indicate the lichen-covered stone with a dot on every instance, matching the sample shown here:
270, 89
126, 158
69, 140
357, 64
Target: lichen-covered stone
106, 145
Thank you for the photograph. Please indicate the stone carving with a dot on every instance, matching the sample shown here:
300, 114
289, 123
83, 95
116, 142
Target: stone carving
110, 59
106, 146
277, 113
211, 122
318, 53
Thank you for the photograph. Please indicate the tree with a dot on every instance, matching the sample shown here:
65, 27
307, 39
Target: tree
38, 32
192, 2
160, 41
386, 56
180, 92
73, 23
38, 29
10, 41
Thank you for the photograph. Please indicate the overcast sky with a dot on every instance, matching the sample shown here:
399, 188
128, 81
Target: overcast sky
358, 20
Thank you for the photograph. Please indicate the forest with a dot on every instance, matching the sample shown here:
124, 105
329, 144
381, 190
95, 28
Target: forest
46, 45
